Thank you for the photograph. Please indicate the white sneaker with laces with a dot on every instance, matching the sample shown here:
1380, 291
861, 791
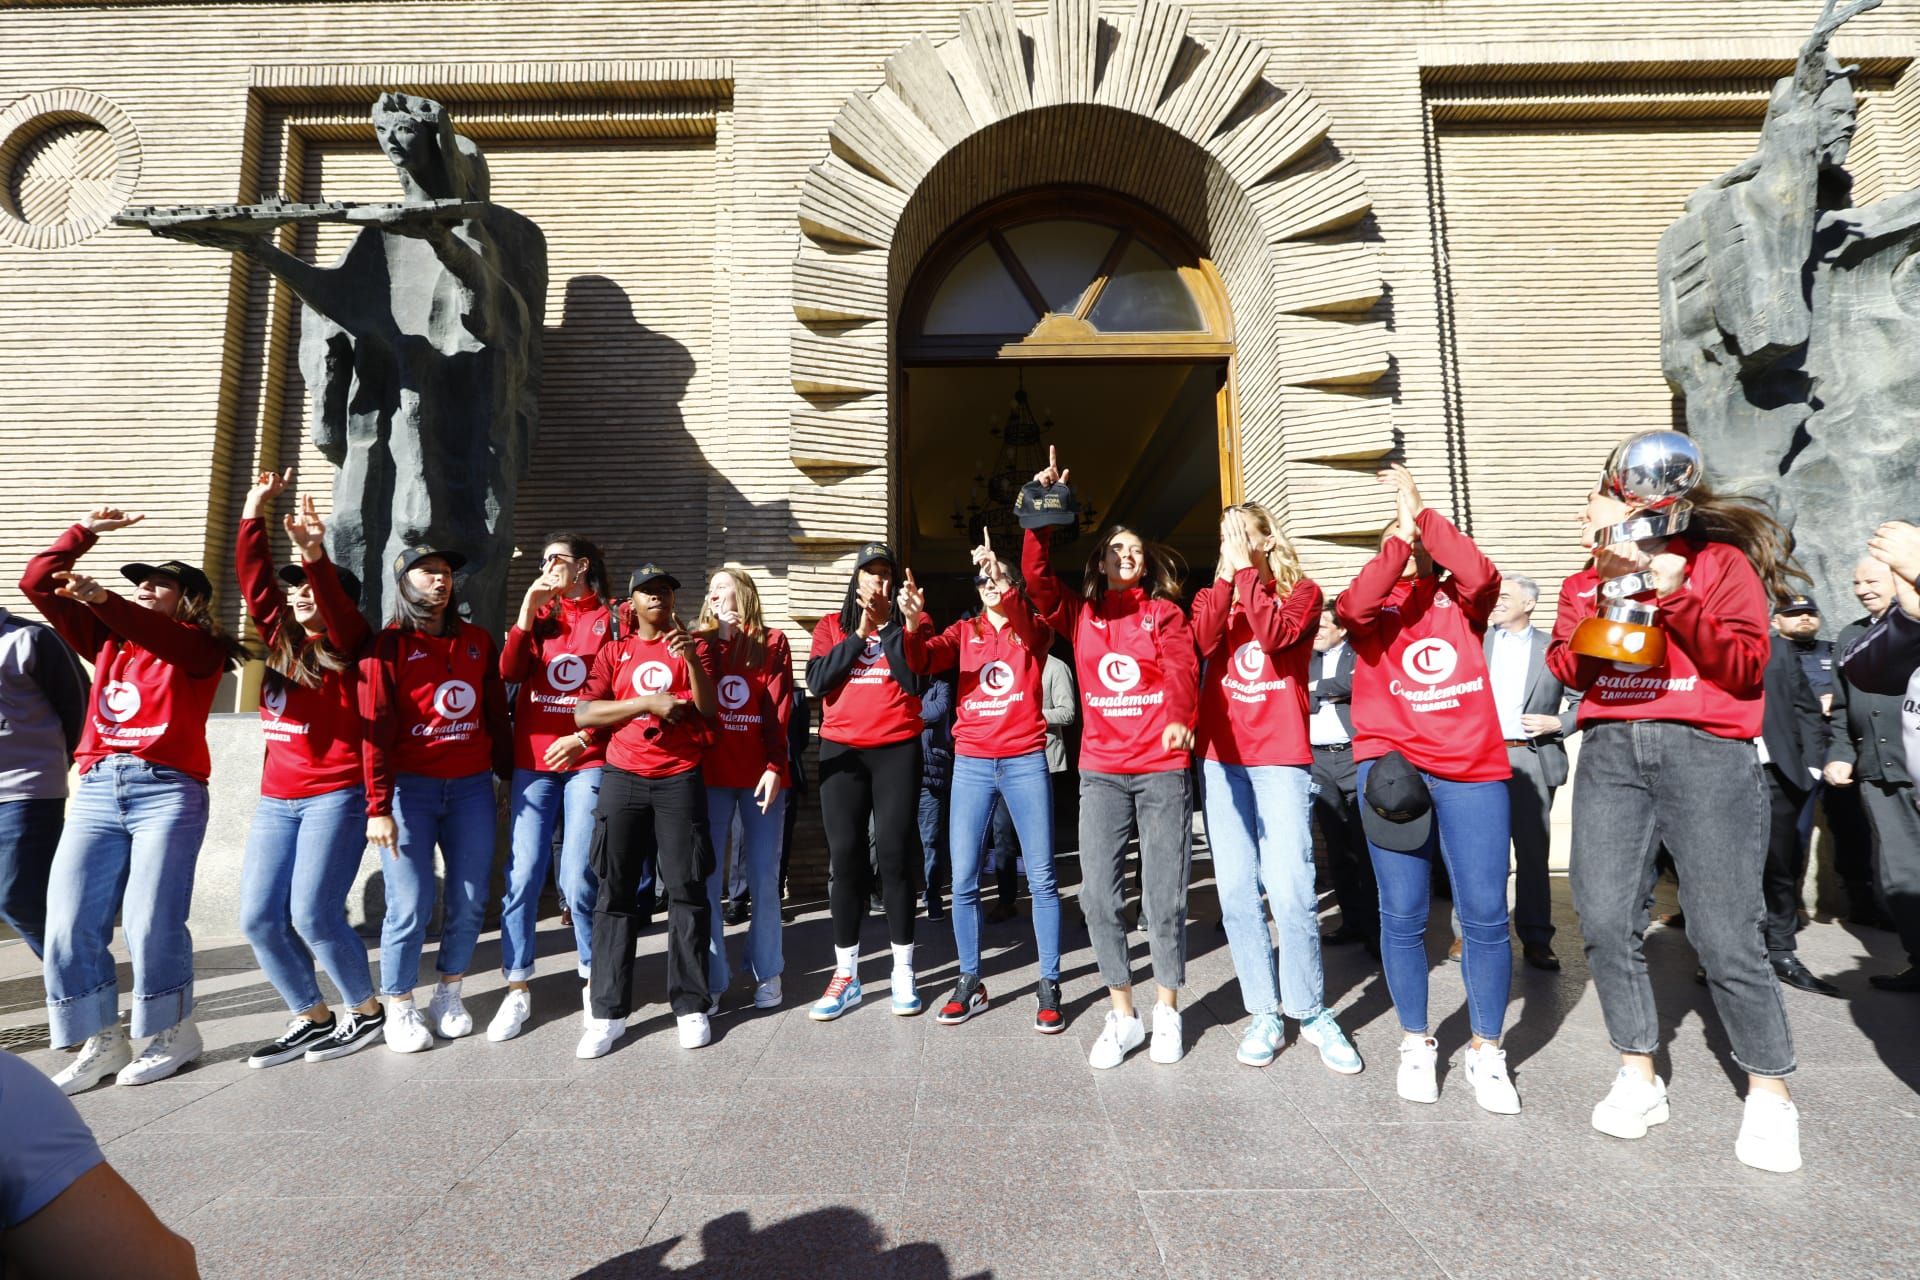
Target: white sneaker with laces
1632, 1106
513, 1015
406, 1030
165, 1054
104, 1053
1416, 1080
767, 994
1121, 1035
1169, 1041
598, 1035
446, 1015
695, 1031
1769, 1133
1487, 1072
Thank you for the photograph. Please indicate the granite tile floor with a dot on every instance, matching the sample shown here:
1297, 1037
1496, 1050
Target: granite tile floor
885, 1146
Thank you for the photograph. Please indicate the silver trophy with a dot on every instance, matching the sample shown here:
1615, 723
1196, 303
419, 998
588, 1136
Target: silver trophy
1652, 473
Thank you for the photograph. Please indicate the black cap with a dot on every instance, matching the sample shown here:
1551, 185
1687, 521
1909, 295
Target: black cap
295, 574
414, 555
876, 551
1041, 506
1398, 813
650, 572
1796, 604
193, 582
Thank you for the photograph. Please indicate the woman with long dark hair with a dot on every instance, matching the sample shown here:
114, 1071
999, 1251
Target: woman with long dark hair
869, 769
1667, 758
1138, 676
1254, 625
134, 828
437, 735
564, 621
309, 831
1424, 720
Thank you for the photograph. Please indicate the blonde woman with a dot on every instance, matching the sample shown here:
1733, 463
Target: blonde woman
1254, 625
746, 771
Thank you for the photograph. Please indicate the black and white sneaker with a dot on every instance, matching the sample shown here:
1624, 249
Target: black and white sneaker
302, 1034
968, 998
355, 1032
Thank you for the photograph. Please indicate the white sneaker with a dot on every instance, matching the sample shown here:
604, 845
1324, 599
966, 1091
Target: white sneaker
695, 1031
905, 992
104, 1053
1487, 1073
1118, 1038
597, 1036
513, 1015
1632, 1106
1169, 1044
1416, 1081
446, 1015
1769, 1134
406, 1030
165, 1054
767, 994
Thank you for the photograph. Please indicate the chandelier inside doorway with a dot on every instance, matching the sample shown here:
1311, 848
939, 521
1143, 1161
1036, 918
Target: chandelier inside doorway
990, 506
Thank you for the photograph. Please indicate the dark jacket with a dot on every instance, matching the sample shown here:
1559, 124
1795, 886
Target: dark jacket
799, 738
936, 740
1545, 696
1866, 726
1792, 726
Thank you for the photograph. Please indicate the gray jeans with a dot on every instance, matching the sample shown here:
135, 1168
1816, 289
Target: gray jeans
1644, 783
1110, 804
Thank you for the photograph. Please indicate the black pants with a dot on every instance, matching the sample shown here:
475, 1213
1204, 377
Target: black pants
1896, 847
881, 784
662, 821
1786, 862
1336, 808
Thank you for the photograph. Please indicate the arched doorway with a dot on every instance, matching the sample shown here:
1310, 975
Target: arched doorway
1066, 316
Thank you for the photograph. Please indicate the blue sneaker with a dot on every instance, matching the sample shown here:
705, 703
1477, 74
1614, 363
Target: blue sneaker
1263, 1040
842, 994
1335, 1049
906, 1000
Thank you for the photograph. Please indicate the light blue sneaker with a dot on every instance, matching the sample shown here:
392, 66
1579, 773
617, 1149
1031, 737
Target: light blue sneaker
842, 994
1263, 1040
906, 999
1335, 1049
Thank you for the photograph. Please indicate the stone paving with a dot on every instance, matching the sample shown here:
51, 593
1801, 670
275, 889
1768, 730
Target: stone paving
884, 1146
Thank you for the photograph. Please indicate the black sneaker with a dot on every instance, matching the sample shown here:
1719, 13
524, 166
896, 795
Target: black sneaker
737, 910
355, 1032
1047, 1018
302, 1034
968, 998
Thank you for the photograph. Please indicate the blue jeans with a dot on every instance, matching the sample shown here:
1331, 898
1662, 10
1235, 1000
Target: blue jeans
29, 833
131, 841
538, 801
934, 816
457, 815
759, 853
1258, 827
300, 862
1472, 834
1023, 783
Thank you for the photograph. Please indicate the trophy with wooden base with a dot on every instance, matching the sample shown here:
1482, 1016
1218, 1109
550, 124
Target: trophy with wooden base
1652, 473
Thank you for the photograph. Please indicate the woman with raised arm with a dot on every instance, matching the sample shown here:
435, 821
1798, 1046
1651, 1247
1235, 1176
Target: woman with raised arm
1000, 753
1667, 758
135, 824
309, 832
436, 723
1133, 653
564, 621
652, 689
1433, 777
746, 772
869, 769
1254, 625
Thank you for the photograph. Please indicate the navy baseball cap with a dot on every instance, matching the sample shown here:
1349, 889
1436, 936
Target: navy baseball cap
650, 572
1795, 604
1398, 813
414, 555
193, 582
876, 551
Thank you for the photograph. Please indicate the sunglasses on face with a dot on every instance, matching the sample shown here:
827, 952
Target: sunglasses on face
554, 559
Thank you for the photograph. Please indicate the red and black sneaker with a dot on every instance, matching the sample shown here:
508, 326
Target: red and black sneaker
1047, 1018
968, 998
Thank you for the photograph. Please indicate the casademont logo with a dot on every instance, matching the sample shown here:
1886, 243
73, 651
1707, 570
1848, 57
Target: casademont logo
455, 700
275, 701
733, 692
996, 679
566, 672
652, 677
1250, 660
1429, 661
119, 701
1119, 672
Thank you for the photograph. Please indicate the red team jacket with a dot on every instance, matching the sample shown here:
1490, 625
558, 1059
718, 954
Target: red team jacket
997, 705
630, 668
868, 708
434, 706
550, 671
755, 705
1420, 682
1256, 647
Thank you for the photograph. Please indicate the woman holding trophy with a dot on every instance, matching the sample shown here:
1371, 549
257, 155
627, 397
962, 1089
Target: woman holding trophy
1667, 633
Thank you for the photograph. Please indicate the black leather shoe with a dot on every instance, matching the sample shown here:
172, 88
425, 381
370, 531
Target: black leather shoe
1791, 971
1344, 934
1908, 979
737, 910
1541, 957
936, 908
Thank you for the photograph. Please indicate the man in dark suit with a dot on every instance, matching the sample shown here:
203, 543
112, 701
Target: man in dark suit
1866, 754
1792, 740
1336, 802
1536, 716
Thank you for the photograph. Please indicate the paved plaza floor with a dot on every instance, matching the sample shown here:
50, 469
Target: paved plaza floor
886, 1146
